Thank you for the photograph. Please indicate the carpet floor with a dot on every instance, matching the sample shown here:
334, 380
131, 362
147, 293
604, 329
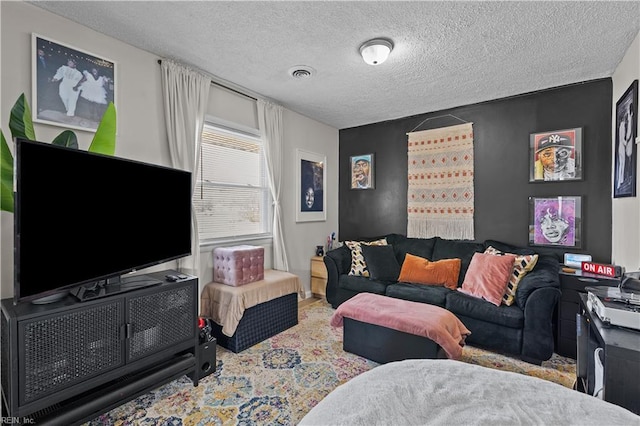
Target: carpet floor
278, 381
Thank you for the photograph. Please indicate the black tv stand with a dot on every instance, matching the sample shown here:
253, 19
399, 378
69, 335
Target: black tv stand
105, 288
66, 363
52, 298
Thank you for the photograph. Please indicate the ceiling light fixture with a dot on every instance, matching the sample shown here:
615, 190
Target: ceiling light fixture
376, 51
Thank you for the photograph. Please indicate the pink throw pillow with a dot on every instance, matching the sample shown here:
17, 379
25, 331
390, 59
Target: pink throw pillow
488, 276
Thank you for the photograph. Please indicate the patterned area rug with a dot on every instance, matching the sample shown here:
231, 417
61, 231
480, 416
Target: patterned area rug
278, 381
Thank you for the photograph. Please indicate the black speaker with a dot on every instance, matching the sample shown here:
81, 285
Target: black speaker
206, 350
206, 358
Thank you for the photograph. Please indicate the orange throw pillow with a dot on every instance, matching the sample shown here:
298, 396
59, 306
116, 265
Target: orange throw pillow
419, 270
488, 276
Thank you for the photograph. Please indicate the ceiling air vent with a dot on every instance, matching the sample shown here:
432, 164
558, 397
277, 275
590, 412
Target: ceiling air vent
301, 71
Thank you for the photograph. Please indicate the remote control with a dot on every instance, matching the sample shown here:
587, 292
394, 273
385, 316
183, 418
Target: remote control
172, 277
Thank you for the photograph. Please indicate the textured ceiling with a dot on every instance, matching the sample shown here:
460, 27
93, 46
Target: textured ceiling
446, 54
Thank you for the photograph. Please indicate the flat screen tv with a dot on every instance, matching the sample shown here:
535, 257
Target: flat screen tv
85, 219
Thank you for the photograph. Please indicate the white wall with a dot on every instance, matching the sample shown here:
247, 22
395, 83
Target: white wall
626, 211
302, 238
141, 130
141, 133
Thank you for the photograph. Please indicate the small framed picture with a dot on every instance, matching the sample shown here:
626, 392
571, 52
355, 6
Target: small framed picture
555, 221
71, 88
556, 155
310, 184
362, 171
626, 151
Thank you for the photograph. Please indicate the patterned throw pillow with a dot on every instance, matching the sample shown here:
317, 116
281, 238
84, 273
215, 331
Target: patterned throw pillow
522, 265
358, 265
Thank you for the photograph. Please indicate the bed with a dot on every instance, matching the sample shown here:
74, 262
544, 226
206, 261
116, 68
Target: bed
448, 392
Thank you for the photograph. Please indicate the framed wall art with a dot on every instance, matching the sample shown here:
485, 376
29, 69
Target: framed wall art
555, 221
555, 155
362, 169
311, 180
71, 87
625, 149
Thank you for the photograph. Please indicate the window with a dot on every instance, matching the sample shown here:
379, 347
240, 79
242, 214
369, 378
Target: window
231, 198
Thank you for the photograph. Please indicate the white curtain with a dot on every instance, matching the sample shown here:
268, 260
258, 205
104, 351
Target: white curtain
270, 123
185, 95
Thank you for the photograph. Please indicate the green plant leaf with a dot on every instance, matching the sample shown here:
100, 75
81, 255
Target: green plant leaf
20, 122
6, 175
66, 138
104, 141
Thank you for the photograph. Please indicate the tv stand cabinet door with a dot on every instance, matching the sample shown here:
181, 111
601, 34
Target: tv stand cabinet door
65, 349
164, 320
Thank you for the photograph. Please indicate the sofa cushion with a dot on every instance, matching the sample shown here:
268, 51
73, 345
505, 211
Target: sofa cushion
545, 274
452, 249
419, 270
362, 284
433, 295
488, 276
342, 258
381, 262
422, 247
489, 335
472, 307
393, 239
358, 264
521, 266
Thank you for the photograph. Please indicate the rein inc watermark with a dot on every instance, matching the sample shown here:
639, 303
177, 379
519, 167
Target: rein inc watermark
17, 421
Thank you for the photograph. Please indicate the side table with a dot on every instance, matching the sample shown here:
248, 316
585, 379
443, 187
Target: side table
318, 277
621, 363
571, 286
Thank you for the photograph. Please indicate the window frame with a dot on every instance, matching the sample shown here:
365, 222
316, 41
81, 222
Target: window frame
253, 135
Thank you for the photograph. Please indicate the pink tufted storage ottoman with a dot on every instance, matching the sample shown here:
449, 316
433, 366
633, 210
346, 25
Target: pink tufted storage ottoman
238, 265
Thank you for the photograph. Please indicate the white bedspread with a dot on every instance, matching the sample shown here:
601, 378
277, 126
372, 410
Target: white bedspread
448, 392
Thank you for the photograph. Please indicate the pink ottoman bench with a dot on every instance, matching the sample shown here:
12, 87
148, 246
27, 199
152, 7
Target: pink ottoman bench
384, 329
238, 265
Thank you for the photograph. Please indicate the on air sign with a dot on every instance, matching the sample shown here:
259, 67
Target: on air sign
602, 269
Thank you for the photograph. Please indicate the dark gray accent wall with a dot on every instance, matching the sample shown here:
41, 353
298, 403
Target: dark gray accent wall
501, 162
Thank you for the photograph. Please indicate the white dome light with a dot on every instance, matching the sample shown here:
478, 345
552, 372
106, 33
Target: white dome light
375, 52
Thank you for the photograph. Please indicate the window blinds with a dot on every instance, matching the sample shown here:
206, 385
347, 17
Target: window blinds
231, 197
